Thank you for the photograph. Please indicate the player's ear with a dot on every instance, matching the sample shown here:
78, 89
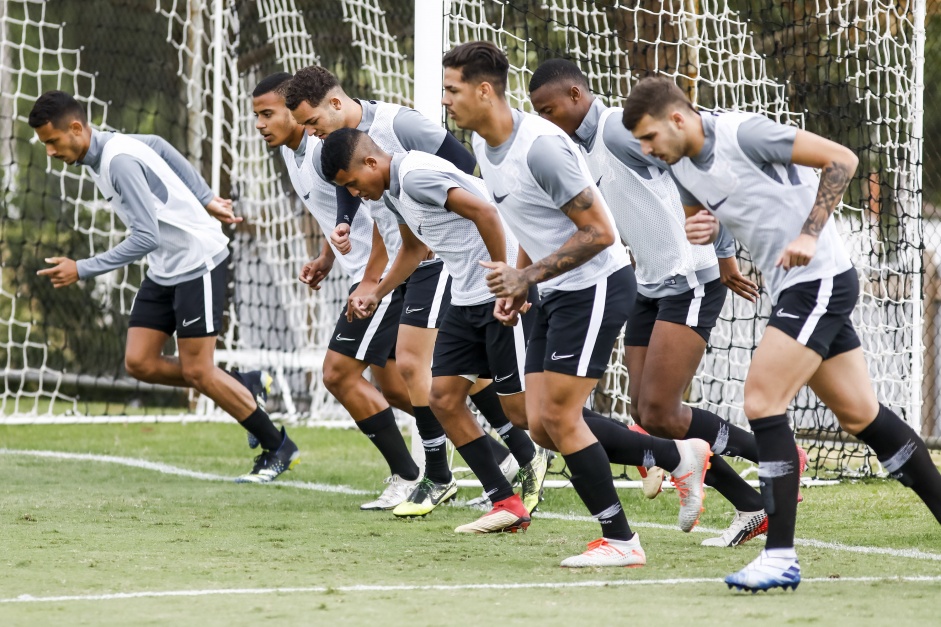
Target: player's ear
575, 93
484, 90
76, 127
370, 162
335, 103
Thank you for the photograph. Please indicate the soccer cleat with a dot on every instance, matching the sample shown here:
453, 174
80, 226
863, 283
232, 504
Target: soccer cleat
802, 458
605, 552
510, 469
744, 527
765, 573
651, 481
396, 492
270, 464
426, 496
258, 383
532, 476
508, 515
688, 480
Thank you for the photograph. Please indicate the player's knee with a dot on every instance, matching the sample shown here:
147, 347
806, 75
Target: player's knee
407, 365
659, 418
398, 399
138, 367
540, 437
761, 406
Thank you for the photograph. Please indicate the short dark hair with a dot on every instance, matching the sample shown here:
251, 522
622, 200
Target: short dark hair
652, 96
556, 71
479, 61
276, 82
57, 107
311, 84
338, 150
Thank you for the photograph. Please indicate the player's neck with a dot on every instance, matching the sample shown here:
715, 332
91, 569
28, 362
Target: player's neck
696, 135
354, 112
294, 141
498, 124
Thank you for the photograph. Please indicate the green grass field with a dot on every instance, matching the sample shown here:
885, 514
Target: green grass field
89, 528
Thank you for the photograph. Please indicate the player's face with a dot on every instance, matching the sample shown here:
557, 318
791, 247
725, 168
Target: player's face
364, 179
555, 103
463, 101
273, 119
68, 144
662, 138
321, 120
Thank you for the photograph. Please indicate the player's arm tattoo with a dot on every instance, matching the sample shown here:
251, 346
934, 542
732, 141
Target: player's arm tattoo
834, 179
584, 244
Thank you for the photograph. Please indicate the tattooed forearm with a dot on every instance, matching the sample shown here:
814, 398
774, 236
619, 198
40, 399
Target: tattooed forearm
582, 201
834, 180
584, 244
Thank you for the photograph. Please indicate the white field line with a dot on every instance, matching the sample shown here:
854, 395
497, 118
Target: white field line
26, 598
320, 487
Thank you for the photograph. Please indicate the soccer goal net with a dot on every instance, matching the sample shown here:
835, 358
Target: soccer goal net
185, 69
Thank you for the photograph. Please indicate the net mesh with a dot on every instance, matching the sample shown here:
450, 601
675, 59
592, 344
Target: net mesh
844, 69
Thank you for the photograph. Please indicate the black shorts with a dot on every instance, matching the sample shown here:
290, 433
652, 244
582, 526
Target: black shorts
472, 342
817, 314
574, 332
191, 309
427, 296
697, 308
371, 339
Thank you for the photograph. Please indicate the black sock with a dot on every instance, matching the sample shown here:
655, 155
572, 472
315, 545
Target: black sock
480, 459
779, 477
904, 455
726, 439
592, 479
434, 441
517, 440
623, 446
384, 433
730, 484
260, 426
499, 451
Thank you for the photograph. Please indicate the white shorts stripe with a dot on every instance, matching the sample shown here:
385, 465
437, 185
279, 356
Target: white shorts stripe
823, 299
692, 316
439, 296
207, 301
519, 340
594, 325
374, 325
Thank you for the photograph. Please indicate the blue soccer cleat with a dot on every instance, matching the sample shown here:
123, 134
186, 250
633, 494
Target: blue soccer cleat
767, 572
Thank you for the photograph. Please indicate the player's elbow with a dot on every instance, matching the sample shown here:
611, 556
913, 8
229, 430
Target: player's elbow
603, 236
147, 243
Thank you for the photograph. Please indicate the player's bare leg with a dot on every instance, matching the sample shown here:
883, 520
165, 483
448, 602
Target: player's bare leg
392, 385
144, 359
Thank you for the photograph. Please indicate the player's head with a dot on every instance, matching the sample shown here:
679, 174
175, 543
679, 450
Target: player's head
351, 159
315, 98
60, 123
560, 93
660, 115
272, 117
475, 76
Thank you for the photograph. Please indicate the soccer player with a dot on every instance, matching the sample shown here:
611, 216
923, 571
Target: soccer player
543, 190
680, 292
354, 344
169, 209
757, 178
317, 101
446, 210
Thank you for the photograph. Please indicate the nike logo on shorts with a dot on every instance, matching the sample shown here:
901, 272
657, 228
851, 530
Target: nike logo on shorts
498, 379
340, 338
186, 323
555, 357
409, 310
783, 314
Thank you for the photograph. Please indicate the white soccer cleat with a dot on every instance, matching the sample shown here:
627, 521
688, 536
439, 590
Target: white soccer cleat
510, 468
688, 480
767, 572
744, 527
605, 552
396, 492
507, 516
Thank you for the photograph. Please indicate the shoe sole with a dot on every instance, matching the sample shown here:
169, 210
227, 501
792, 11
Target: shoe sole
450, 497
519, 525
744, 588
702, 487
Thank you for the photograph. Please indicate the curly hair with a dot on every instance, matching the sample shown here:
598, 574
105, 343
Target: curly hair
479, 61
310, 84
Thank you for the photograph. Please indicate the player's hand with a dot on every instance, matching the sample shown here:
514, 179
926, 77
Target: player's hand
505, 281
64, 273
221, 210
799, 252
359, 300
702, 228
508, 310
314, 272
340, 238
733, 279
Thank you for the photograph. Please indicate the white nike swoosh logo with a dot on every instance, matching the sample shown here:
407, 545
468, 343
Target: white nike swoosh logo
782, 314
340, 338
409, 310
498, 379
186, 323
555, 357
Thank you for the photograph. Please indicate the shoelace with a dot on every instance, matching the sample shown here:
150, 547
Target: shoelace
682, 489
604, 546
